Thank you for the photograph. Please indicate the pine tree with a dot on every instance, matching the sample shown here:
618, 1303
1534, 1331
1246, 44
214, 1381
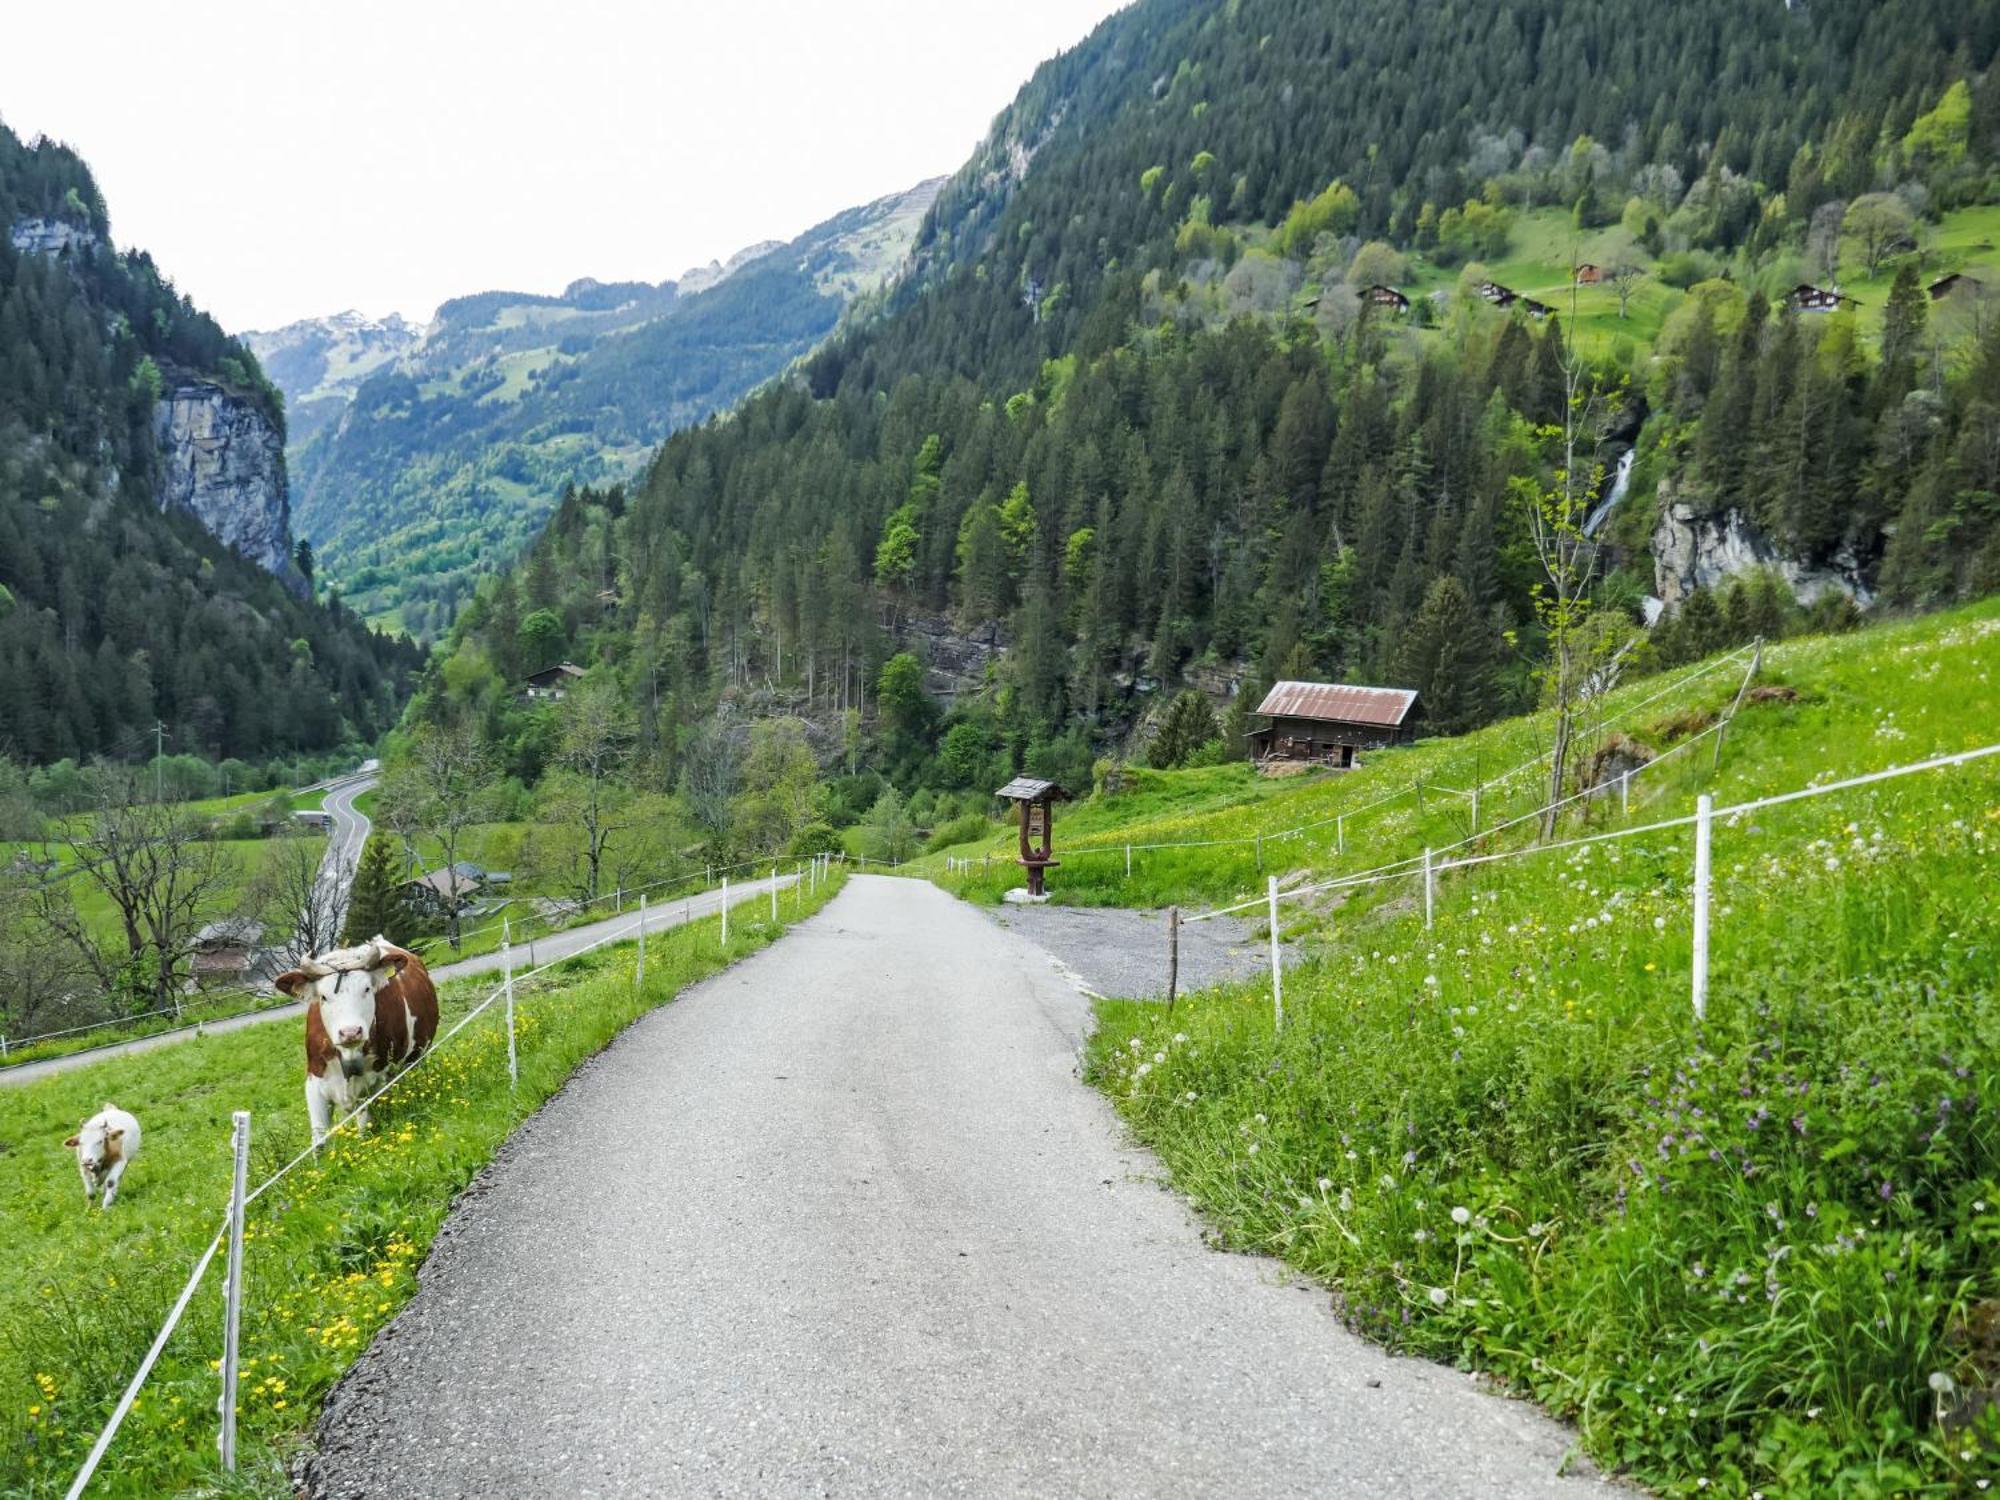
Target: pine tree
1447, 657
376, 906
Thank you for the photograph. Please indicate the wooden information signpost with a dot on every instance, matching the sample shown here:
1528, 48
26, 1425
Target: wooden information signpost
1036, 801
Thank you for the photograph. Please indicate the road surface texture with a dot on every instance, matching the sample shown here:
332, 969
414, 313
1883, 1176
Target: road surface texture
844, 1221
1124, 953
527, 955
344, 841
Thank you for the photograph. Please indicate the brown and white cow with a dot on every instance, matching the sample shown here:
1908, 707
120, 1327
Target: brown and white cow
369, 1010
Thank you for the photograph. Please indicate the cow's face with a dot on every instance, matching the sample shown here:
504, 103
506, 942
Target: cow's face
96, 1145
346, 1001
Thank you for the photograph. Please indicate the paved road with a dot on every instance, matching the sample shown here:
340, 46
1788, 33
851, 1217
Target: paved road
344, 842
844, 1221
540, 951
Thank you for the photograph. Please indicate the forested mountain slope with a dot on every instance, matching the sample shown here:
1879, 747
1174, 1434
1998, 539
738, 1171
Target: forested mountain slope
433, 467
1149, 405
116, 398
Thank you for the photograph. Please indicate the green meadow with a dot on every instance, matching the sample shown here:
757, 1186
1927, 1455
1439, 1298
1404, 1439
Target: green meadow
331, 1252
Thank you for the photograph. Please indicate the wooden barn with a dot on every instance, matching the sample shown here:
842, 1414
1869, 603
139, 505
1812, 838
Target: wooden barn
551, 685
1498, 295
1944, 286
1330, 723
1588, 274
1386, 296
1807, 298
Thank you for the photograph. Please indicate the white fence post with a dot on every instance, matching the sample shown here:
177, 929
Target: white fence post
1430, 888
1128, 861
725, 911
1340, 834
774, 894
1277, 968
640, 981
798, 888
507, 985
1704, 816
232, 1289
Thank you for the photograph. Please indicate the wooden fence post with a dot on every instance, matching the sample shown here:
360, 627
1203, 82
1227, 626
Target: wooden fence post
725, 911
1430, 888
1128, 861
1340, 834
1173, 955
639, 980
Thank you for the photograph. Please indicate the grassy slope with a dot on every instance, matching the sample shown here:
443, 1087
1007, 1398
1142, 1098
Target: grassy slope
331, 1254
1735, 1252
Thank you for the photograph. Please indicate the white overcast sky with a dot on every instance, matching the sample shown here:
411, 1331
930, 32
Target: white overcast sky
282, 160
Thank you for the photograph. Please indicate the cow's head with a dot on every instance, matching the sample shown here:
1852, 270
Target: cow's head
98, 1144
345, 983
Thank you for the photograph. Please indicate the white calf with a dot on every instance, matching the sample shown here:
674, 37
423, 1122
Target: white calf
104, 1149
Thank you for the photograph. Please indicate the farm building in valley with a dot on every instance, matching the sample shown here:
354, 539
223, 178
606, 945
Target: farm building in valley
1386, 296
226, 952
1589, 274
1330, 723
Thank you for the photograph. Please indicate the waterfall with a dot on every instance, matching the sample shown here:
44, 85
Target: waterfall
1620, 482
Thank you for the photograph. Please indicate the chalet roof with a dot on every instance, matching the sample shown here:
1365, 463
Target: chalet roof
1381, 293
1337, 703
553, 674
1944, 285
1028, 789
448, 883
230, 932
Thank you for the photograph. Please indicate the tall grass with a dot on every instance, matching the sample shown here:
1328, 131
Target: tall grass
331, 1253
1755, 1253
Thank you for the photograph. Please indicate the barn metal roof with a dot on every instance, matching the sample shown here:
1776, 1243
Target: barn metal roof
1336, 702
1028, 789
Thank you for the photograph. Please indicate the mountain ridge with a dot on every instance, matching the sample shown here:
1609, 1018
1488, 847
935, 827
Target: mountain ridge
425, 458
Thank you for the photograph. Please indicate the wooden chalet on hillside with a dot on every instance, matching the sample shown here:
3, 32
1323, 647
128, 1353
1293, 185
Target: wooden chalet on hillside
1386, 296
1807, 298
1944, 286
1330, 723
551, 685
1589, 274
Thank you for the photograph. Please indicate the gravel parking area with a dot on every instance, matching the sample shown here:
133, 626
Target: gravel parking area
1124, 953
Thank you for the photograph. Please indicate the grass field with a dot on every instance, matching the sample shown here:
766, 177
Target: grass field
330, 1254
1754, 1253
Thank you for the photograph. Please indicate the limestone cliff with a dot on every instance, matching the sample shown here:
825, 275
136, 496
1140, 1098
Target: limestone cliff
223, 463
1693, 548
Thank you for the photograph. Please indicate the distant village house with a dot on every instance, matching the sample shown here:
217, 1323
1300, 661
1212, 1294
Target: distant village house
551, 685
1330, 723
1807, 298
1588, 274
225, 952
1386, 296
1944, 286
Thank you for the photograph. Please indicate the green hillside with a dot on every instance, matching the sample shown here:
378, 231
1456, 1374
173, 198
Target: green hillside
1130, 421
1746, 1253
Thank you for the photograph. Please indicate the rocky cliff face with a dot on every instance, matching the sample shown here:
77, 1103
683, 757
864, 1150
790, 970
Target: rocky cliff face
1696, 549
224, 464
49, 236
